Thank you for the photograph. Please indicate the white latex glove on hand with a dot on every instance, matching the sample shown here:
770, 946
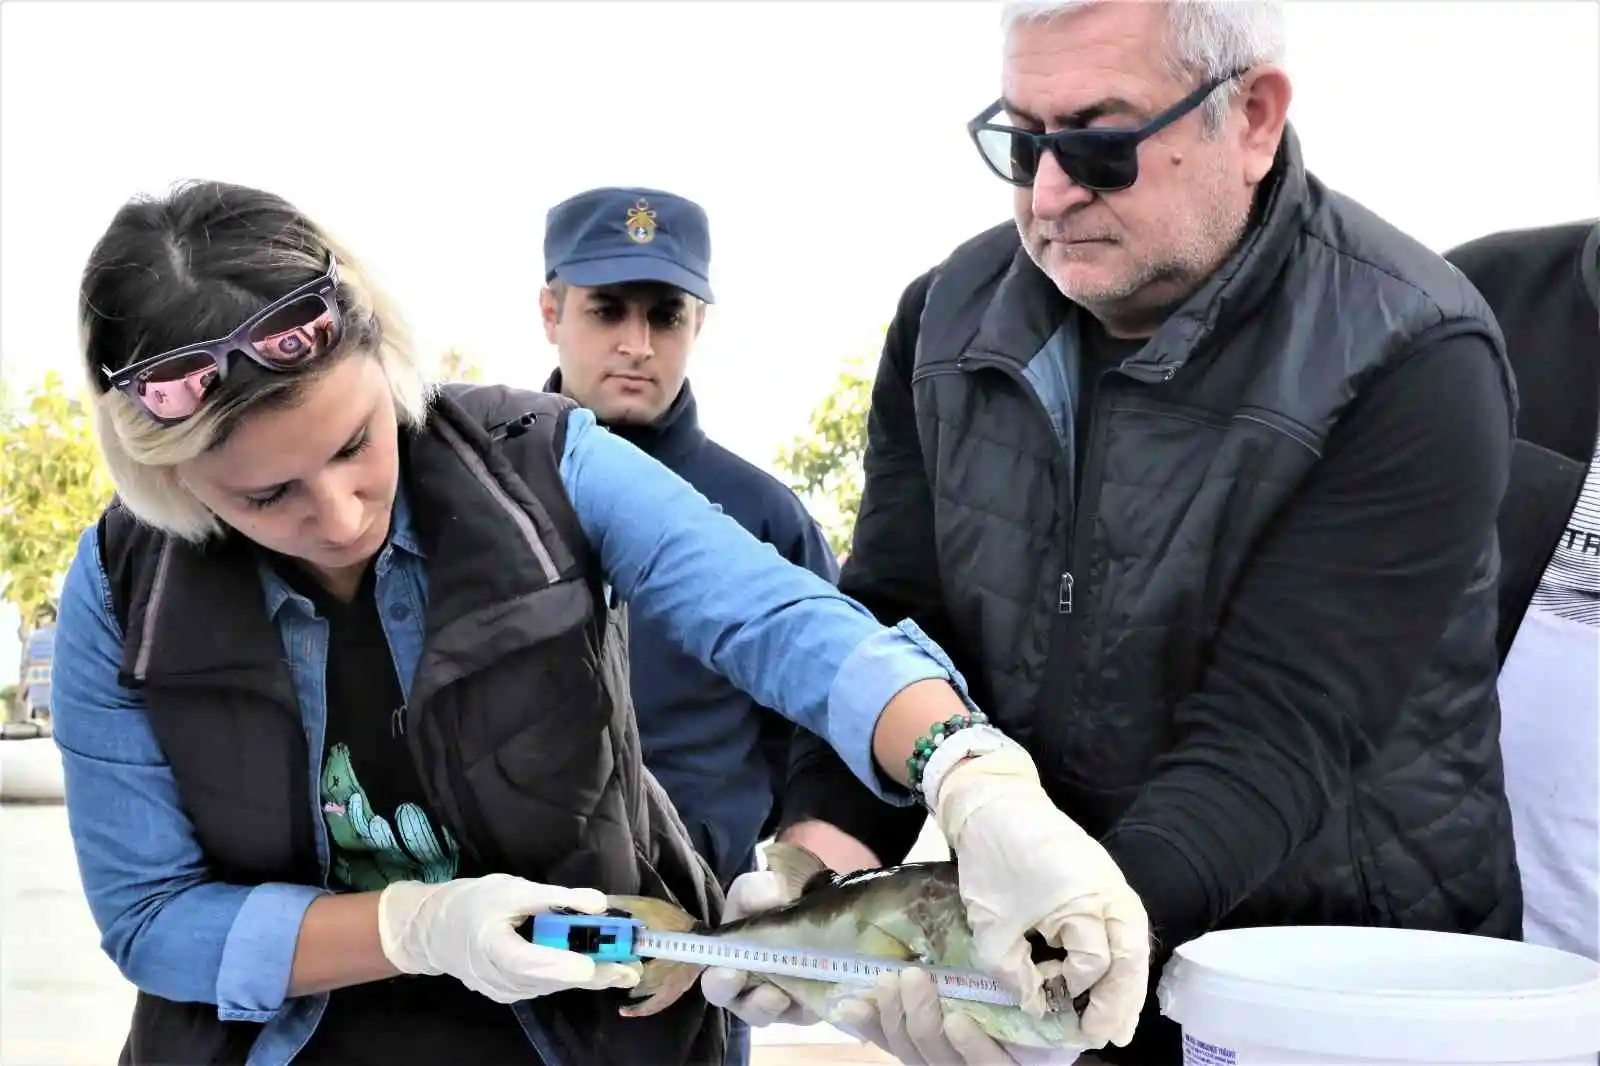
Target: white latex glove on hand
1026, 866
467, 928
751, 999
902, 1014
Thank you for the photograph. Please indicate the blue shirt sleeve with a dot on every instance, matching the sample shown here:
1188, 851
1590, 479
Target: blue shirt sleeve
171, 929
779, 632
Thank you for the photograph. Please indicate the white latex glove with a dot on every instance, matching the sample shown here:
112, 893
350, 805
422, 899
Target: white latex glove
1025, 866
745, 995
467, 928
903, 1015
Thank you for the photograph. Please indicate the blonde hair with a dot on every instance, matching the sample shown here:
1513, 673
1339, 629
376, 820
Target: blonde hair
143, 456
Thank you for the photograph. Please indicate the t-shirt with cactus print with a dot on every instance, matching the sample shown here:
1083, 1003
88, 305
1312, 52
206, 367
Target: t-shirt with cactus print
379, 827
370, 850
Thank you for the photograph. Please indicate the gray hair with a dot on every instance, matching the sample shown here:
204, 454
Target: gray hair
1207, 39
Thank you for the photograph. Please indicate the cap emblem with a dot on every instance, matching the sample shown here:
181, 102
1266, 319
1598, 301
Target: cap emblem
641, 223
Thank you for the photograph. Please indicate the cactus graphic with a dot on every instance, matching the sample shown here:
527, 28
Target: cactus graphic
368, 855
436, 864
338, 786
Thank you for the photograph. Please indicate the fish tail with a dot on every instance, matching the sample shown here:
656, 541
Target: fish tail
662, 982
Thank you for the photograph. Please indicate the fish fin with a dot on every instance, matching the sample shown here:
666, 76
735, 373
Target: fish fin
798, 869
656, 914
661, 984
872, 939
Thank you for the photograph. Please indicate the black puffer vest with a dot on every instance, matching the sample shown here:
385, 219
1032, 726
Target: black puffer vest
519, 722
1195, 445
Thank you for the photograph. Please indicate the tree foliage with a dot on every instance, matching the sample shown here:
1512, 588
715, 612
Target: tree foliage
52, 486
457, 365
823, 464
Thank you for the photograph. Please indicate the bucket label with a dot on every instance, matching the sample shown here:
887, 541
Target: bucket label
1200, 1053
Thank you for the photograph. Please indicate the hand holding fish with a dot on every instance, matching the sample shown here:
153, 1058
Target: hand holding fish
912, 913
1024, 866
756, 1002
903, 1015
1024, 872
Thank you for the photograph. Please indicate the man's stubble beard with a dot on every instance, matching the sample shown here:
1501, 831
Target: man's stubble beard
1139, 302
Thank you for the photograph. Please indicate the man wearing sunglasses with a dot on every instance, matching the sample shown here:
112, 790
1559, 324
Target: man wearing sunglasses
1196, 467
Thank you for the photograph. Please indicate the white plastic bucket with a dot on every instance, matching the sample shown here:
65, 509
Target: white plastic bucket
1296, 995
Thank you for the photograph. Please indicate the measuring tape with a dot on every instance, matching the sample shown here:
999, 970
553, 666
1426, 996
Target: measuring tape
614, 938
836, 967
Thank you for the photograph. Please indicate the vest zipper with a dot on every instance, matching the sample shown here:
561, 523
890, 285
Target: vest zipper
1088, 494
1075, 551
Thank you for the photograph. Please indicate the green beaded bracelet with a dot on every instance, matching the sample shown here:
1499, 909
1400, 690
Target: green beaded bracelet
925, 746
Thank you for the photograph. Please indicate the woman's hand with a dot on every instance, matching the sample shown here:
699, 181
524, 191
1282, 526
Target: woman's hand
468, 928
1026, 866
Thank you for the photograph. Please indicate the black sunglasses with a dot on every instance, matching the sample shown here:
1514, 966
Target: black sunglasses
1100, 160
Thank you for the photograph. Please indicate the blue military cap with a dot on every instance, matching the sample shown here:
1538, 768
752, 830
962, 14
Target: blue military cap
610, 236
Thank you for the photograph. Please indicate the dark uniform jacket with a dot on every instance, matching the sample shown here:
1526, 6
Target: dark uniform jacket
721, 756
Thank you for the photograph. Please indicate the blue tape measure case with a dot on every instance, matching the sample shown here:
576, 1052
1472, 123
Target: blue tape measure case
603, 937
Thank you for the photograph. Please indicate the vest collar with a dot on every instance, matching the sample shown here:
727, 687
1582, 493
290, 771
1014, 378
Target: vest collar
671, 437
1027, 308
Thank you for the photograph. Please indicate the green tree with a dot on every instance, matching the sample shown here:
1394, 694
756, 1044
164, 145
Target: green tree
457, 365
52, 486
823, 464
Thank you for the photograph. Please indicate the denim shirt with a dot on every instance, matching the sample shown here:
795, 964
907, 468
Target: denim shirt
776, 630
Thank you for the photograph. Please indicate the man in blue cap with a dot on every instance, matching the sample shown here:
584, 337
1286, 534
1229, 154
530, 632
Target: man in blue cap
627, 286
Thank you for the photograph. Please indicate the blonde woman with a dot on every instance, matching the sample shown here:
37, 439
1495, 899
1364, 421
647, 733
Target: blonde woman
343, 698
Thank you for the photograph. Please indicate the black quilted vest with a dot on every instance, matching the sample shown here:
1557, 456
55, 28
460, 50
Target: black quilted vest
1194, 446
519, 721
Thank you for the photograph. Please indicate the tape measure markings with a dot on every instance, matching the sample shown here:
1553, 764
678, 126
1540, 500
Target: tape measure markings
834, 967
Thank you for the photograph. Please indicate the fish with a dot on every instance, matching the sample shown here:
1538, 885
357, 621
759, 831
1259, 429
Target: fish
911, 914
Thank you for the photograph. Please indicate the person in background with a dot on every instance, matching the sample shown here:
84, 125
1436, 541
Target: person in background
1194, 467
1544, 286
627, 284
40, 654
627, 287
342, 698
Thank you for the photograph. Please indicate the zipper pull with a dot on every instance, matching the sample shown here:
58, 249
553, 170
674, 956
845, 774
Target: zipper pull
513, 427
1064, 594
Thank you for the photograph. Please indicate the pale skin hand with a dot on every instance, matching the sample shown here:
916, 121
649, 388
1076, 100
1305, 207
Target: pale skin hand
907, 718
841, 852
339, 946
